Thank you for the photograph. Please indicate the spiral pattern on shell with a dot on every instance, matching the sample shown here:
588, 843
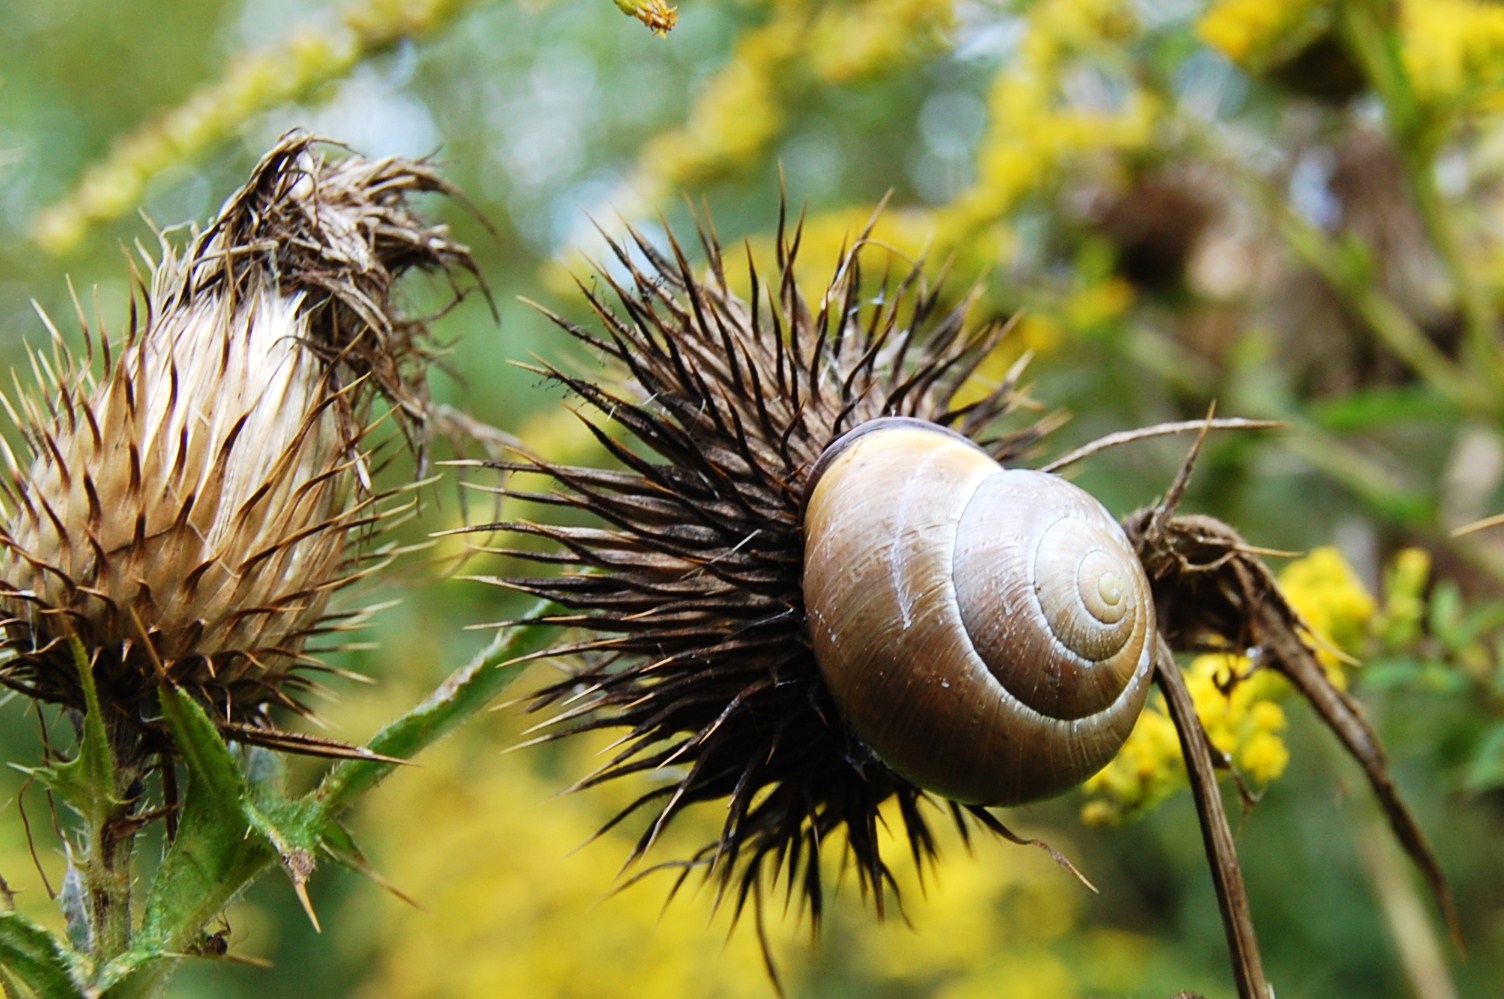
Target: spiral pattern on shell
986, 631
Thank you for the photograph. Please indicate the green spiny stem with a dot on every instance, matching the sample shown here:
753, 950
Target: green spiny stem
100, 783
462, 695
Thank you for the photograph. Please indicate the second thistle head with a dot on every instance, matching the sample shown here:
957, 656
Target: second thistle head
816, 593
185, 515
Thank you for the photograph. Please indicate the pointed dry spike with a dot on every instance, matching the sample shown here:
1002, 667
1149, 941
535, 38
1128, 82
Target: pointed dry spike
52, 330
302, 744
360, 865
300, 889
1158, 430
1478, 525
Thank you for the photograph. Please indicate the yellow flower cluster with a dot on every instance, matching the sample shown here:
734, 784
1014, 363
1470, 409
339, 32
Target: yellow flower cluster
852, 44
738, 112
1005, 922
1453, 52
312, 54
1403, 617
741, 109
514, 890
1034, 130
1259, 33
1237, 703
512, 894
1333, 603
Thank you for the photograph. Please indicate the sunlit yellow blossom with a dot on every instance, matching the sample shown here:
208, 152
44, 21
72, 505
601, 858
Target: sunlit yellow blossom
848, 44
1035, 132
1145, 771
538, 914
1237, 704
1453, 52
1331, 600
1262, 756
1404, 612
1100, 302
1256, 33
737, 113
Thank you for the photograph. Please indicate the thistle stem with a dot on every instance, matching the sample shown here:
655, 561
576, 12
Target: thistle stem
1216, 833
101, 783
107, 881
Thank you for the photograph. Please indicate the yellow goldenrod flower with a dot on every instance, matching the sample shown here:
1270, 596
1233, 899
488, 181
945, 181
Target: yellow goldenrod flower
1237, 705
1035, 131
1327, 594
312, 54
1253, 33
187, 516
1403, 616
1453, 52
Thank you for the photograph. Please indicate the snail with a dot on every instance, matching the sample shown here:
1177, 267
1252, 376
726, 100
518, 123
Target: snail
986, 631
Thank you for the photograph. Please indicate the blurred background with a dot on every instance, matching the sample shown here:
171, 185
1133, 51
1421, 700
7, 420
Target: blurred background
1289, 208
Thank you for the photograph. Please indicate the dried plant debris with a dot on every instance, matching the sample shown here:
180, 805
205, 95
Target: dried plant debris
188, 501
688, 596
1214, 592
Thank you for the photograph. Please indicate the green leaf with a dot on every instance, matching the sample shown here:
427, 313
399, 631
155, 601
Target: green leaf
1367, 409
236, 823
37, 960
1486, 772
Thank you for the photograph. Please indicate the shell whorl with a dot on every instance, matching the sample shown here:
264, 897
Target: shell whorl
985, 631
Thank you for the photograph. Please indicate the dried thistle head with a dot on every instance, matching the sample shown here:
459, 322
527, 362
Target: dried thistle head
688, 588
187, 513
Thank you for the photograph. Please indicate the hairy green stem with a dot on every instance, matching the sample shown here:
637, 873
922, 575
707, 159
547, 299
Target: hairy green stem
463, 694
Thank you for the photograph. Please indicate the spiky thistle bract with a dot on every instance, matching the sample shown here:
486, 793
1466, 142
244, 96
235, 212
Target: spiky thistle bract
188, 502
684, 595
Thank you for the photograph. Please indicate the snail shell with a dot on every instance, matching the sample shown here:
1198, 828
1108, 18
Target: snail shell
986, 631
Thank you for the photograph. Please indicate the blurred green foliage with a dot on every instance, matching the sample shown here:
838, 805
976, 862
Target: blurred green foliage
1287, 206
